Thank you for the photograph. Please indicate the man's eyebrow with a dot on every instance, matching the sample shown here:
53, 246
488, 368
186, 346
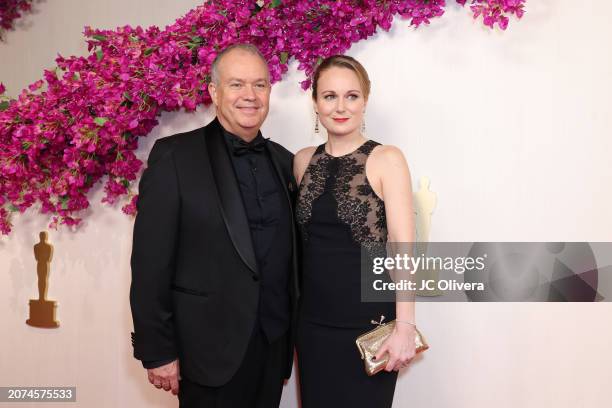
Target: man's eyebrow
242, 80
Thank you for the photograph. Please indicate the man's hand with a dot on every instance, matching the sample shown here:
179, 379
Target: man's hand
166, 377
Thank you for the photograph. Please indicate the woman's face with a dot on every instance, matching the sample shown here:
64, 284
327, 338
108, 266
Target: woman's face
340, 101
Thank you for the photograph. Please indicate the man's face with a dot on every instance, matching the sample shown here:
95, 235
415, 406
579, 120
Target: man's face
242, 96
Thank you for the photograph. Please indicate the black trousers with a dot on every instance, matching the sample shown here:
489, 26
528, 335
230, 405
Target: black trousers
258, 383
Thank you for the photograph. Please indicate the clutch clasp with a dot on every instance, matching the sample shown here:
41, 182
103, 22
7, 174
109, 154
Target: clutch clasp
380, 323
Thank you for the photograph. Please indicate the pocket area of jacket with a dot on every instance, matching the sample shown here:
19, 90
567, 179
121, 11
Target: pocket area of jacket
189, 291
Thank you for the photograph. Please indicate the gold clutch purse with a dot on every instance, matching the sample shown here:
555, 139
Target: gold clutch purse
369, 343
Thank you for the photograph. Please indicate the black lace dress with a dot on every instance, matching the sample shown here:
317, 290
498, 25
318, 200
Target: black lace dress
338, 214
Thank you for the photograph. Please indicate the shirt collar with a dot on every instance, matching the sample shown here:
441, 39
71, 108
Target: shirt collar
229, 136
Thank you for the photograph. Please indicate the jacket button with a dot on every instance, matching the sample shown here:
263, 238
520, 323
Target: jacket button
255, 278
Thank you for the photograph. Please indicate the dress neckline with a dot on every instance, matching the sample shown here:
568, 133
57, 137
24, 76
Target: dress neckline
344, 155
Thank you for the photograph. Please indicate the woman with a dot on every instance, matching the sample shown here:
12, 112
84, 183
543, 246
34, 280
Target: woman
353, 192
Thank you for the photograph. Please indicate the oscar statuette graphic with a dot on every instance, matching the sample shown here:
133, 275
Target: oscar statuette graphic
424, 203
42, 311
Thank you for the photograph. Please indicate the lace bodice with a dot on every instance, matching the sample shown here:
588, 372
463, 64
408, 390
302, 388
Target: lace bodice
357, 205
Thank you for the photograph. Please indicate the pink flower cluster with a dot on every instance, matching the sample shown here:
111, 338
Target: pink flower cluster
496, 11
10, 10
82, 122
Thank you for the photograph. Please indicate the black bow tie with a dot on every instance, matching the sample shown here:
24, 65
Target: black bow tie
240, 147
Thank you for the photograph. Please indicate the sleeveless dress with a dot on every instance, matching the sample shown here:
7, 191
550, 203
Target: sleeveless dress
338, 214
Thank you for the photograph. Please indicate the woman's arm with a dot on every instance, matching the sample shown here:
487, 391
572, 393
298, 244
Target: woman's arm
392, 179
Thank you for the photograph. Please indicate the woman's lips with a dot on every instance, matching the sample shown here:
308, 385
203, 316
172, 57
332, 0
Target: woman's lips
341, 120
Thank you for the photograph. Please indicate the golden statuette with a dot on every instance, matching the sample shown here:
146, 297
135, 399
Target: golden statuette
42, 311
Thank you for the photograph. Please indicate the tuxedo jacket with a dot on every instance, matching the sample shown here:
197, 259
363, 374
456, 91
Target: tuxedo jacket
195, 280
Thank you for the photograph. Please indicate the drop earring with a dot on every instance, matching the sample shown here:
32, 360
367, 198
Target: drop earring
316, 129
363, 127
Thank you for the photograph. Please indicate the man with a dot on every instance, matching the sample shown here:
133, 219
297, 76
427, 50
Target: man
214, 270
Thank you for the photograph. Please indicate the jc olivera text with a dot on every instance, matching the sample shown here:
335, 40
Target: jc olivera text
430, 284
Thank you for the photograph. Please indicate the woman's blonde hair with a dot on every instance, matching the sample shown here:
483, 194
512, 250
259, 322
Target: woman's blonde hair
342, 61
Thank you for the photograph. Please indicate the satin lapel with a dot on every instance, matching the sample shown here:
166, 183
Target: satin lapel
230, 198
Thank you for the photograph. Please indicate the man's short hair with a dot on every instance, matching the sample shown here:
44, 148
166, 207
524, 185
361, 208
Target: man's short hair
250, 48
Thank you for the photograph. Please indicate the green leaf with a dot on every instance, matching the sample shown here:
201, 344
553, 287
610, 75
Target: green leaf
4, 105
76, 76
127, 96
133, 38
100, 121
149, 51
125, 183
100, 55
13, 208
275, 3
26, 145
197, 40
284, 56
99, 37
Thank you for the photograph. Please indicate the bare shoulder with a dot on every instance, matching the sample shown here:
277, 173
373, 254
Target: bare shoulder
386, 156
301, 160
305, 154
302, 157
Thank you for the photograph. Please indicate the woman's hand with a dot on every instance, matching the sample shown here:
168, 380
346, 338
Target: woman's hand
400, 346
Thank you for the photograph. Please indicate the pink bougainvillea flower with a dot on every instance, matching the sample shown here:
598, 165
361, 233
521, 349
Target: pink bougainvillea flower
11, 10
80, 124
496, 11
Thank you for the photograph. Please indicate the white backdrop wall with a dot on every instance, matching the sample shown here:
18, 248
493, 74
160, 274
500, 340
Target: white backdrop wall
514, 131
